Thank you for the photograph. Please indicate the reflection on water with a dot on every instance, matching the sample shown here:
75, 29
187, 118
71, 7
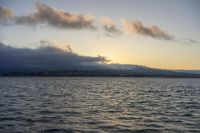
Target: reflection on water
72, 104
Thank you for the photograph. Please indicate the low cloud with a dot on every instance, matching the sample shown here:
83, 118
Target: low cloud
109, 26
63, 46
58, 18
45, 58
152, 31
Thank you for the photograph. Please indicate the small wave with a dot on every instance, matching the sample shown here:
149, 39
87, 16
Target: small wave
56, 130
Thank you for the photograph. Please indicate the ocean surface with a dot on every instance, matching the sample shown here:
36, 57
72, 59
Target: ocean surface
99, 104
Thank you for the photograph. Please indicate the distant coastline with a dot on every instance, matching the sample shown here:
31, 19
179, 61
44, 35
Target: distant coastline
102, 73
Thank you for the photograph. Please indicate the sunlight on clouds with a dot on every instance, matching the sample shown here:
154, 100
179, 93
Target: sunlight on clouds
60, 45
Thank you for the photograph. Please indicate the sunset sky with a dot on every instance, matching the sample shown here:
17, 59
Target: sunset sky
153, 33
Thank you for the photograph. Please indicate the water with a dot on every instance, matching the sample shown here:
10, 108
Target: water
73, 104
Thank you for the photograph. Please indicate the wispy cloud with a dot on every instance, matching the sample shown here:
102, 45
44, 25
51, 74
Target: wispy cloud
45, 14
151, 31
58, 18
6, 14
109, 26
188, 41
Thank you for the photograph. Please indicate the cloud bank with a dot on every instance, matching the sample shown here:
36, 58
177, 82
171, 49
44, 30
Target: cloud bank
45, 58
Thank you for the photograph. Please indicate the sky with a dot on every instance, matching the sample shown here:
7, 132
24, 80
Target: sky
159, 34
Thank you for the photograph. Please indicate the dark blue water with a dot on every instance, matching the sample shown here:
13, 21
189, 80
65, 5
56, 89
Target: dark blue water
69, 104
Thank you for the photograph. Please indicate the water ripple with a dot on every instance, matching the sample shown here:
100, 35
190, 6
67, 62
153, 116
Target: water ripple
76, 105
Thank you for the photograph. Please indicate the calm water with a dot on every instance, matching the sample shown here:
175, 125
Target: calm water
70, 104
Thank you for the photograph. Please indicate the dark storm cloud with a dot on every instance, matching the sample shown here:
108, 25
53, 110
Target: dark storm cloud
45, 14
152, 31
45, 58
